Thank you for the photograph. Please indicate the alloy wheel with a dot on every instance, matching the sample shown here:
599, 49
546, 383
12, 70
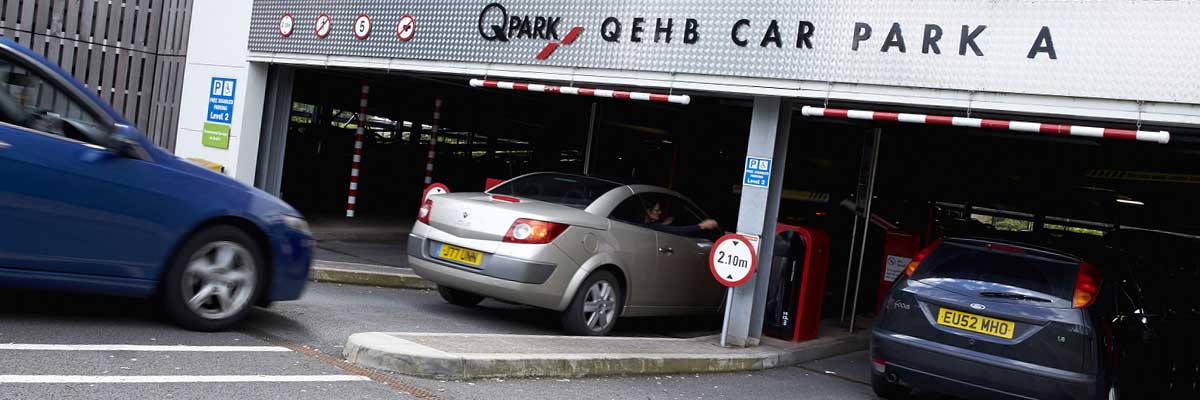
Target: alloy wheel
600, 306
220, 280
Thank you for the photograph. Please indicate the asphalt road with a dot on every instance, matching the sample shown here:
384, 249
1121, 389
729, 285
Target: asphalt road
302, 341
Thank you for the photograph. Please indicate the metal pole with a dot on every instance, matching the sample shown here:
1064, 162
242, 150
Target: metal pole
725, 325
866, 225
587, 151
850, 264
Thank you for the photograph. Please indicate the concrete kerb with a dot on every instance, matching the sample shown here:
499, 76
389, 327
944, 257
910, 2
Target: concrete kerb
401, 353
350, 276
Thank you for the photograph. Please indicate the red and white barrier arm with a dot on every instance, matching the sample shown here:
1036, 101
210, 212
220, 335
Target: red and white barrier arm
605, 93
993, 124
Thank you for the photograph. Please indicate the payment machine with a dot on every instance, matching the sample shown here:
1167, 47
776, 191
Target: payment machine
797, 283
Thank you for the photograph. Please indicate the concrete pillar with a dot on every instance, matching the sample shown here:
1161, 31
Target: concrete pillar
770, 125
215, 56
277, 113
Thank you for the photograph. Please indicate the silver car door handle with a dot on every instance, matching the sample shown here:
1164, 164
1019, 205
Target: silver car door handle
4, 145
666, 250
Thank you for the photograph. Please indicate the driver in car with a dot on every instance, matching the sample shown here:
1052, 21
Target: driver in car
654, 218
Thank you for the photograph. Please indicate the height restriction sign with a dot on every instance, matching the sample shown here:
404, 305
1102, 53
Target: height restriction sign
732, 260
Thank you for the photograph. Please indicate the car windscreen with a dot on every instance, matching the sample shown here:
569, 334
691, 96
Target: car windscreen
1007, 267
568, 190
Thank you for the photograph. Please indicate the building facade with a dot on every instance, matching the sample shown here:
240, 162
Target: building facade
130, 52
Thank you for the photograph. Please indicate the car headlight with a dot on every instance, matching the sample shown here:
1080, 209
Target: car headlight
296, 223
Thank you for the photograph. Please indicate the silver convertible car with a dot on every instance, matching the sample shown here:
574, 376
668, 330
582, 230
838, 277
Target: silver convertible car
590, 248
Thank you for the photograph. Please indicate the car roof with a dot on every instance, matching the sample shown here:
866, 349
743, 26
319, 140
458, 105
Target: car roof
1062, 249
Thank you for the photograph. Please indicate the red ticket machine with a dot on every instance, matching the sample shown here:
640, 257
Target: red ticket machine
797, 285
898, 250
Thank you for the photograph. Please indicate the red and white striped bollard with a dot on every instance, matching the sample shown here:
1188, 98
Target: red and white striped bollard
352, 199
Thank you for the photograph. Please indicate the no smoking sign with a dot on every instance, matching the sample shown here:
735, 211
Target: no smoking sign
732, 260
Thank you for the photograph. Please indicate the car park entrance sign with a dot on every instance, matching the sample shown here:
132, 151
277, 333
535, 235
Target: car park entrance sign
732, 260
1036, 47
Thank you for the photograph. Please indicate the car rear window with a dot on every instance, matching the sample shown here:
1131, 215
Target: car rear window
1023, 270
568, 190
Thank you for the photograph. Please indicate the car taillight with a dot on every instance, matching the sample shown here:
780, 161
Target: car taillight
1087, 284
425, 211
531, 231
880, 365
916, 261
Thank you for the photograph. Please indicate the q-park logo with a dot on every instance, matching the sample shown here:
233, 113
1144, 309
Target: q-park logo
497, 25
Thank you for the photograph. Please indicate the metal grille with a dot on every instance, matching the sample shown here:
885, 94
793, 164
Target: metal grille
130, 52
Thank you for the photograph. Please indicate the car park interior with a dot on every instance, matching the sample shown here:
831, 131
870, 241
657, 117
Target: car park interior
929, 181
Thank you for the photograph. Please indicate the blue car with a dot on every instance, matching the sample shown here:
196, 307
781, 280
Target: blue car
990, 318
89, 204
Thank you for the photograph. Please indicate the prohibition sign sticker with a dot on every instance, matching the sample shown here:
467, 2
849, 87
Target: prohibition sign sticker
406, 27
324, 25
362, 26
433, 189
286, 25
732, 260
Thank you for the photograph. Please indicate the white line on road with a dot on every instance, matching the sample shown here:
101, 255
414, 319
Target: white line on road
178, 378
133, 347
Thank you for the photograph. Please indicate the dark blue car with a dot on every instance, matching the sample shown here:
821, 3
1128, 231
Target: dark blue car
88, 204
986, 318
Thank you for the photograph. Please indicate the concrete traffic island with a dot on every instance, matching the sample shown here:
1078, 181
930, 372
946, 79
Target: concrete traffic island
478, 356
367, 275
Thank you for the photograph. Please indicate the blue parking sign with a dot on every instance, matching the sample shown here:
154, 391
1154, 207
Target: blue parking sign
758, 172
220, 100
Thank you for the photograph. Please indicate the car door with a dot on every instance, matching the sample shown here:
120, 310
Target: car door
636, 245
68, 204
682, 270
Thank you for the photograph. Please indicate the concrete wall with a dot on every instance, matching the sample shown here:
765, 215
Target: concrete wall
218, 48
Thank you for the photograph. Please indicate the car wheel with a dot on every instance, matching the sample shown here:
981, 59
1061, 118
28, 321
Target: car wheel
596, 306
886, 389
214, 279
459, 297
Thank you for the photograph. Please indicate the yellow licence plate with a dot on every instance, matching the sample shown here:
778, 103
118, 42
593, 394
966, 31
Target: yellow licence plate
461, 255
976, 323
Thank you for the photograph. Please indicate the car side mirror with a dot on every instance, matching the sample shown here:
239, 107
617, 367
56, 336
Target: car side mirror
124, 144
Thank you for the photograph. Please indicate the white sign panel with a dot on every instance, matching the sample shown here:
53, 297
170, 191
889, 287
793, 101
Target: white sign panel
894, 267
1131, 50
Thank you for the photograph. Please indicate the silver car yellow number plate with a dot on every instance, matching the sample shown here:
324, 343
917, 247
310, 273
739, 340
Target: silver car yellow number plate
459, 254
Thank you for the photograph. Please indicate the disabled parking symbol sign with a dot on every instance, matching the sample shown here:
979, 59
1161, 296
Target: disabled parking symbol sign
219, 115
758, 172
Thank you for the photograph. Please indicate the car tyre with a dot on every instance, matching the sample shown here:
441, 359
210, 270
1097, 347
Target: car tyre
888, 390
596, 306
214, 279
459, 297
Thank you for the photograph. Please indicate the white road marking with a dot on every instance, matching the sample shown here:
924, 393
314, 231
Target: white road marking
132, 347
178, 378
